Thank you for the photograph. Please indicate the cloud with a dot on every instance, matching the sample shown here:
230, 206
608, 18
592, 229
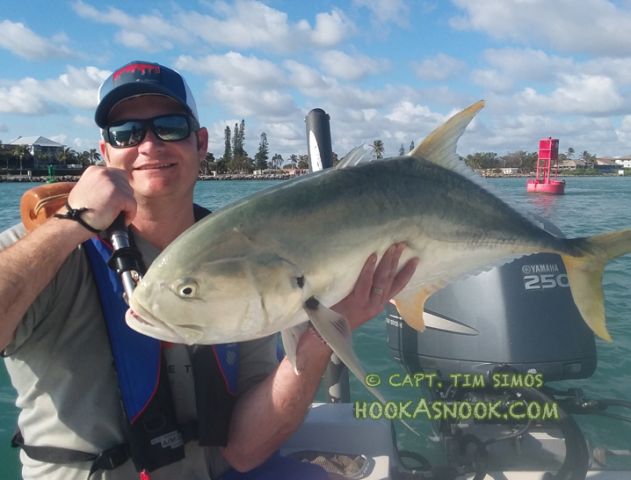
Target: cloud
624, 131
507, 68
287, 135
330, 28
77, 87
577, 94
252, 24
618, 69
23, 42
86, 144
235, 68
597, 27
350, 67
245, 101
244, 24
521, 131
406, 112
326, 90
440, 67
83, 120
23, 97
304, 77
244, 85
387, 11
148, 32
492, 80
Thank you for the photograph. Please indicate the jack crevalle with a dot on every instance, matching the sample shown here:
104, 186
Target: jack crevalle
284, 255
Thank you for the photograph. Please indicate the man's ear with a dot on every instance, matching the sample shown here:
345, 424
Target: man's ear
103, 148
202, 142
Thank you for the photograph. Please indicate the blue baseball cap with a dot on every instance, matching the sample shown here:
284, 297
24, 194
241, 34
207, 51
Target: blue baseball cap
142, 78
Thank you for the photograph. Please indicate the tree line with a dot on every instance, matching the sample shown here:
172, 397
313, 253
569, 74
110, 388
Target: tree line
19, 158
235, 158
526, 162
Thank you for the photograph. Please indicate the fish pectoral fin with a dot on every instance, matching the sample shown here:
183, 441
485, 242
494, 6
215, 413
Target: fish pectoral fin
411, 306
291, 337
336, 331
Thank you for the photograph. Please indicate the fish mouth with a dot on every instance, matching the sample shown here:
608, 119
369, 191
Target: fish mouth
144, 322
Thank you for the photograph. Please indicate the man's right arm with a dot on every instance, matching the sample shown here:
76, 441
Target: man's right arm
27, 266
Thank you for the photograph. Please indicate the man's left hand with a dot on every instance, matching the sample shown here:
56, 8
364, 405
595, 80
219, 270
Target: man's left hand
377, 283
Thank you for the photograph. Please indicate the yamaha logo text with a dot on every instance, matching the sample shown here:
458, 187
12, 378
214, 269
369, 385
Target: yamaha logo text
543, 276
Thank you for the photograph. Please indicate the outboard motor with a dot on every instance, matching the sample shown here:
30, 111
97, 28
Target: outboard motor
519, 316
496, 338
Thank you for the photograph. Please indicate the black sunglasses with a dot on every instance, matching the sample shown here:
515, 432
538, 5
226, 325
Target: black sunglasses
168, 128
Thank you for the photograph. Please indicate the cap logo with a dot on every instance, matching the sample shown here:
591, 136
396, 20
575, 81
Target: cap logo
137, 70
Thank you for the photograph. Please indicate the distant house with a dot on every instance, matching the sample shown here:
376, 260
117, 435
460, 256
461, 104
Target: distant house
624, 162
42, 149
605, 164
571, 164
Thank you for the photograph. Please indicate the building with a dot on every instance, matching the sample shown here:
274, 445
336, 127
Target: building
606, 165
42, 149
571, 164
624, 162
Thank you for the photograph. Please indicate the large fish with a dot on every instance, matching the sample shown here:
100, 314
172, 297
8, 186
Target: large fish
284, 255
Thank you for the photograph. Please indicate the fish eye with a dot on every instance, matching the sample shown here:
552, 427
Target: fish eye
186, 288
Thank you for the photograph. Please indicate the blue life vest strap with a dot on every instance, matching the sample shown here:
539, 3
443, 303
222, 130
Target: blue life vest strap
153, 437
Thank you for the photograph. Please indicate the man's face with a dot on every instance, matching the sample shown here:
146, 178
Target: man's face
157, 168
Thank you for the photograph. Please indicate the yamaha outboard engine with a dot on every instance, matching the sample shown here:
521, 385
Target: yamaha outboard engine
519, 316
492, 340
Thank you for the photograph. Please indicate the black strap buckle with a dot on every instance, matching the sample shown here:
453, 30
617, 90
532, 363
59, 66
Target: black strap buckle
111, 458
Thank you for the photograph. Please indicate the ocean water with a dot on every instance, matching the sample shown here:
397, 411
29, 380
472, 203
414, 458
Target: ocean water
590, 206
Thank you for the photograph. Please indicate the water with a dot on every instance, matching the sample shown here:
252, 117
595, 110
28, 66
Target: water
591, 205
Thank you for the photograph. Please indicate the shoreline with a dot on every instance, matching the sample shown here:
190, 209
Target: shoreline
246, 176
201, 178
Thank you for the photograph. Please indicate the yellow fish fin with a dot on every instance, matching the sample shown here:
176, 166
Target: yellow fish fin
411, 306
585, 275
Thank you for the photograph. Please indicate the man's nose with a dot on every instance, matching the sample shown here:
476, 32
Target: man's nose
150, 140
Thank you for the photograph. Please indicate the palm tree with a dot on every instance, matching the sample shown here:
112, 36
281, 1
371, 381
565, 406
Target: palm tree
21, 152
84, 158
94, 156
68, 155
378, 148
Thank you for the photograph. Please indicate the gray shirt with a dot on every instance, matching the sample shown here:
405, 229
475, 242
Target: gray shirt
61, 365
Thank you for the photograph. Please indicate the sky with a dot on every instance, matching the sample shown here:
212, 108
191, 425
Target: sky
382, 69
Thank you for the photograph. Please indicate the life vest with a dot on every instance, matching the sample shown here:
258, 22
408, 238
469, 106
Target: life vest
153, 437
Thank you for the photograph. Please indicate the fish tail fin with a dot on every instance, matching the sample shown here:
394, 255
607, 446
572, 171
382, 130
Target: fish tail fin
585, 272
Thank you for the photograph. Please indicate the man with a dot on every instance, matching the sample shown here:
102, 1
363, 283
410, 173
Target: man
69, 364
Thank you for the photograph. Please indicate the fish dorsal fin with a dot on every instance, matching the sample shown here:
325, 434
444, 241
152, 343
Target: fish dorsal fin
360, 154
439, 146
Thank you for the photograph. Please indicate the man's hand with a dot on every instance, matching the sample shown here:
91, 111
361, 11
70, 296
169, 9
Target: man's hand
106, 192
376, 284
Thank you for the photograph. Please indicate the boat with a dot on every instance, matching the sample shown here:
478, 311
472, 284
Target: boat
488, 341
543, 183
491, 339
